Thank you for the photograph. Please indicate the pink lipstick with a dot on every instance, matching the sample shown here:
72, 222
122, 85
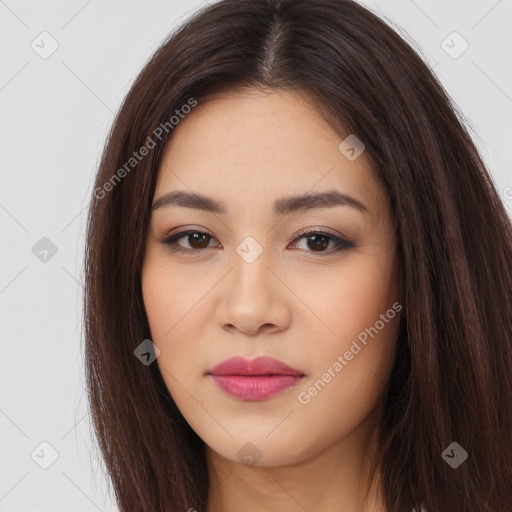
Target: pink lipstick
255, 379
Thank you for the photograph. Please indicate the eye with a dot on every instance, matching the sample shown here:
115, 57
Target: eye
197, 240
316, 241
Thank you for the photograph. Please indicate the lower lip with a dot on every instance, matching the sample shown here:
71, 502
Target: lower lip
255, 387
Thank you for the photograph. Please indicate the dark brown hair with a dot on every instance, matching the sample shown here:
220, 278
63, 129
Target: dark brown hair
451, 380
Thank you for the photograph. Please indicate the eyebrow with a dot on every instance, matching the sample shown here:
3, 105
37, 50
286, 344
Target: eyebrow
282, 206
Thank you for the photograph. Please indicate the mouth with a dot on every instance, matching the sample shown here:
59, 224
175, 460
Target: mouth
254, 380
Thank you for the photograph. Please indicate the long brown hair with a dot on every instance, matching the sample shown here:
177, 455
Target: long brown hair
451, 381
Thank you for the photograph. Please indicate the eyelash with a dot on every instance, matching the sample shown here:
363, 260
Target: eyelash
341, 243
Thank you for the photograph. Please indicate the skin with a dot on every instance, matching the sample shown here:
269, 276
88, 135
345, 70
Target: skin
294, 303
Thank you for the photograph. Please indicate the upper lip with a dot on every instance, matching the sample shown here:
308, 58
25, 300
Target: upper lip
258, 366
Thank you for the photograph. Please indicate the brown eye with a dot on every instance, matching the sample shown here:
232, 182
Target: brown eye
318, 242
198, 240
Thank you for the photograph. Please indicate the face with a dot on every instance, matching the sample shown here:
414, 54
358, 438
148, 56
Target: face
311, 282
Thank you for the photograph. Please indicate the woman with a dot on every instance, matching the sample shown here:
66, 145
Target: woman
298, 276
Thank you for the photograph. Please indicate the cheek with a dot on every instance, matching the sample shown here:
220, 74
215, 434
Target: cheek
351, 371
359, 326
174, 316
351, 299
169, 298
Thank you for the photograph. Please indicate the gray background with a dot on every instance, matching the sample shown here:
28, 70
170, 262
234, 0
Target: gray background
55, 115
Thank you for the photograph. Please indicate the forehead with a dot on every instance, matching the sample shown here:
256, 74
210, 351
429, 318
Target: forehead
245, 145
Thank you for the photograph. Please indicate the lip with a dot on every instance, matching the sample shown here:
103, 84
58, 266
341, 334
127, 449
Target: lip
256, 379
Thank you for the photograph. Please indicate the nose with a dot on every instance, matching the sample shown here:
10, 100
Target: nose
254, 299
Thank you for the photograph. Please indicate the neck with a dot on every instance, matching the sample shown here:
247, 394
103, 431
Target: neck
331, 480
